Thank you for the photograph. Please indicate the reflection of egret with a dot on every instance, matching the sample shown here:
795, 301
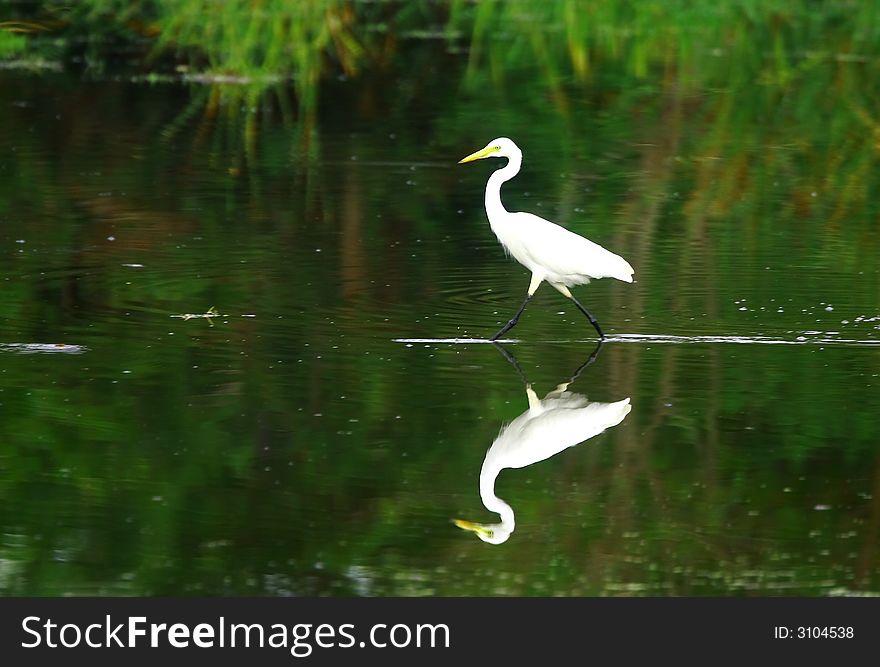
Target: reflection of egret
561, 420
550, 252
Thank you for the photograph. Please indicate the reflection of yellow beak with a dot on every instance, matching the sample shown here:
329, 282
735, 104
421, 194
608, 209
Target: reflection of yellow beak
479, 155
477, 528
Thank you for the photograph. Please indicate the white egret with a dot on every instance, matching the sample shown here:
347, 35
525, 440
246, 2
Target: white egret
561, 420
550, 252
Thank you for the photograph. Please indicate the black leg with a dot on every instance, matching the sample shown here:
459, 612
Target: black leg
507, 327
512, 361
585, 312
589, 361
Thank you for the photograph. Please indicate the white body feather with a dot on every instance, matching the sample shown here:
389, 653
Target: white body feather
560, 256
549, 426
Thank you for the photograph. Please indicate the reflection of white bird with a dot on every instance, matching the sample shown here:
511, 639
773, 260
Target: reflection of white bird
550, 252
562, 420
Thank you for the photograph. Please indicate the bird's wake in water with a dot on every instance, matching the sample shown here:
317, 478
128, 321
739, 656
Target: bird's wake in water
455, 341
807, 338
42, 348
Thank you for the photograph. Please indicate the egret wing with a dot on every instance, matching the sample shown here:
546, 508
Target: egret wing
564, 256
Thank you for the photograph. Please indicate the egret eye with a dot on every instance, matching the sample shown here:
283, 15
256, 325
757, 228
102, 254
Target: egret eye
496, 148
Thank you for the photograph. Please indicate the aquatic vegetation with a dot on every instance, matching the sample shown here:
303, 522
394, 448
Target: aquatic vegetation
754, 56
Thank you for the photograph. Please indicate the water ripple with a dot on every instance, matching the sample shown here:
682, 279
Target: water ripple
42, 348
668, 339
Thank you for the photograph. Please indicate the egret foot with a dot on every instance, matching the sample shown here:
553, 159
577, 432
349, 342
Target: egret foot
507, 327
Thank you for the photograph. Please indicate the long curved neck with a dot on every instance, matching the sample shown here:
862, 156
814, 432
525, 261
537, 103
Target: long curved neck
492, 502
494, 208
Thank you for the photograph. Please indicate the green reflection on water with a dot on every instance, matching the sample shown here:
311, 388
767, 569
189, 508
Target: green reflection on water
292, 447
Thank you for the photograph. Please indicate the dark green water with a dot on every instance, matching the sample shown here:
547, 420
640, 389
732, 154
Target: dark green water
290, 444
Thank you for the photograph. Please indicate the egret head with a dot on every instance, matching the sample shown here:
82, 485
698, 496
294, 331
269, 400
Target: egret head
500, 147
493, 533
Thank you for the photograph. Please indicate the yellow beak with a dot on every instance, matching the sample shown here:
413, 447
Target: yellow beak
469, 525
479, 155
